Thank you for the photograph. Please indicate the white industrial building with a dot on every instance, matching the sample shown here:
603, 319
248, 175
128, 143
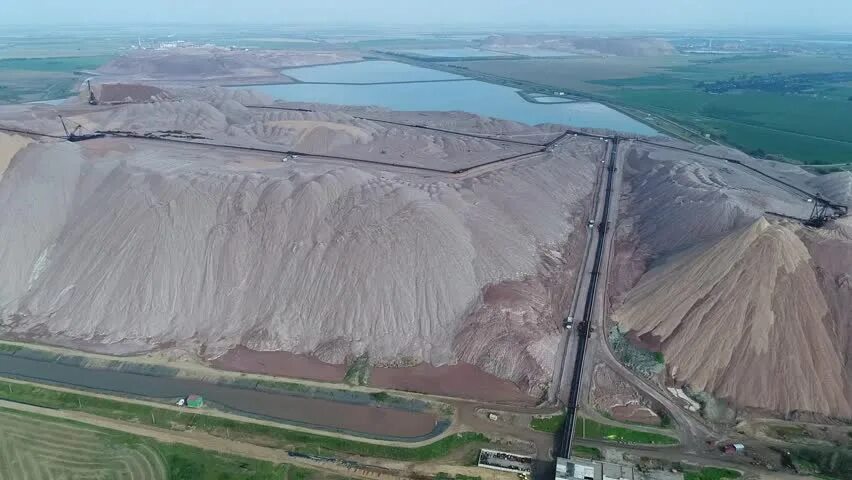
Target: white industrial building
579, 469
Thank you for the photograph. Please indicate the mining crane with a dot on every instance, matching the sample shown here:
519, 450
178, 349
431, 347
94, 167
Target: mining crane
75, 135
92, 99
824, 211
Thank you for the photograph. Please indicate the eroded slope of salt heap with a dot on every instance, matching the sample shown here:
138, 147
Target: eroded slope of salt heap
125, 245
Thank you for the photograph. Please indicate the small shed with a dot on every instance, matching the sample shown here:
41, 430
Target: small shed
733, 448
194, 401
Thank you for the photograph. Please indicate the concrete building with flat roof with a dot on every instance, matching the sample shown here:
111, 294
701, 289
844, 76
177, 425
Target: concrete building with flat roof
505, 461
613, 471
581, 469
576, 469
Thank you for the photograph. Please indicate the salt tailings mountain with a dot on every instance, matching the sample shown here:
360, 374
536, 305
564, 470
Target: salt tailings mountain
783, 345
412, 246
748, 306
134, 244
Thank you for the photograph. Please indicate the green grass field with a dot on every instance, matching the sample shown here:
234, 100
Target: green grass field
791, 433
257, 434
34, 446
829, 463
550, 424
806, 128
585, 428
586, 452
184, 462
711, 473
593, 430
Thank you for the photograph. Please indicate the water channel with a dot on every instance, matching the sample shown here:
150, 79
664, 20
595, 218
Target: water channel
325, 409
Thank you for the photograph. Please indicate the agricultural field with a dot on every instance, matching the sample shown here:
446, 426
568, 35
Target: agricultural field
38, 79
33, 447
576, 73
39, 449
793, 108
38, 66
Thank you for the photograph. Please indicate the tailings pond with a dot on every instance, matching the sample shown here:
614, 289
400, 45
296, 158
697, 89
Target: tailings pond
353, 413
353, 84
465, 52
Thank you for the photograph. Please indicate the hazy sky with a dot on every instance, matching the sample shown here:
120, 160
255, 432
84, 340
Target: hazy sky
638, 14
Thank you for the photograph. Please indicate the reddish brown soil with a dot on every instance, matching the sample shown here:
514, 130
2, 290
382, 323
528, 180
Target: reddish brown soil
280, 364
461, 380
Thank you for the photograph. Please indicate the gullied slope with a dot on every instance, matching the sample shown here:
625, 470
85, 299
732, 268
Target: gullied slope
9, 146
202, 63
751, 319
675, 201
836, 187
123, 92
134, 245
189, 116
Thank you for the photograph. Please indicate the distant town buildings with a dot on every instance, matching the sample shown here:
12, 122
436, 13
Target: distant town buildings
170, 45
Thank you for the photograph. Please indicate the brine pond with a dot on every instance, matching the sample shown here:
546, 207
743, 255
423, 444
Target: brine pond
340, 411
432, 90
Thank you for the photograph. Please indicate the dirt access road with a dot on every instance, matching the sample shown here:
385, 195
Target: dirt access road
691, 429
